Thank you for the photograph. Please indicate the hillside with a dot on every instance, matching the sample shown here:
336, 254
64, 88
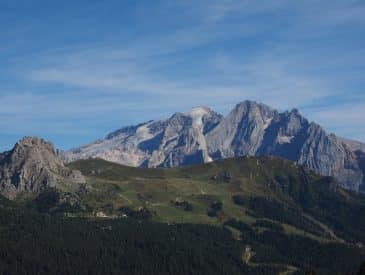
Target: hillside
240, 188
275, 207
251, 215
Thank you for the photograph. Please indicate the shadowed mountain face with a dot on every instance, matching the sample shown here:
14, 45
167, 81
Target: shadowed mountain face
202, 135
32, 166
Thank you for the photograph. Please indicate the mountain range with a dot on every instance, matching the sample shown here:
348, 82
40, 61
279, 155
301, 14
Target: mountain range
259, 215
254, 129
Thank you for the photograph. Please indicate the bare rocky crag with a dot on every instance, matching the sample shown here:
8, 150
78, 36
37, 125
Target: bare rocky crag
32, 166
176, 141
251, 128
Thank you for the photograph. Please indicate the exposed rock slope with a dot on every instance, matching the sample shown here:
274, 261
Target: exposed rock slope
33, 165
176, 141
202, 135
256, 129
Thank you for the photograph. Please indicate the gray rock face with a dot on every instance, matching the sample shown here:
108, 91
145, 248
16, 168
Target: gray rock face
202, 135
241, 132
33, 165
176, 141
255, 129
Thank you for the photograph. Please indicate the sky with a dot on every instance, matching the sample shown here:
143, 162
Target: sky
73, 71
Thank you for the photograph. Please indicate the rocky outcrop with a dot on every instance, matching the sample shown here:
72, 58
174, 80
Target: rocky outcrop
251, 128
32, 166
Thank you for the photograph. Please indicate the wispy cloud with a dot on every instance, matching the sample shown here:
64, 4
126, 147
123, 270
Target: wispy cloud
343, 118
172, 55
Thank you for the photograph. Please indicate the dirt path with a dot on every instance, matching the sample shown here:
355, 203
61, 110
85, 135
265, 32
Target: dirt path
125, 198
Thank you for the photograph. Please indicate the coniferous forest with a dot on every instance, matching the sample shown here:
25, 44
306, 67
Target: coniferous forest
35, 243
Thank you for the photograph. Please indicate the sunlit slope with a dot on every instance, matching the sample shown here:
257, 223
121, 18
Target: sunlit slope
240, 189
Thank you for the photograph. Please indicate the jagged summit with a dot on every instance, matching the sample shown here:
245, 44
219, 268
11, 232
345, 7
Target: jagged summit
34, 141
31, 166
251, 128
252, 103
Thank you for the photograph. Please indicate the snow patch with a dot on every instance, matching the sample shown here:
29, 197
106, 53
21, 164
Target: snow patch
267, 122
197, 115
143, 133
284, 139
208, 158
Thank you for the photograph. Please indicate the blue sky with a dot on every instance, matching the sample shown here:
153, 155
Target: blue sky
72, 71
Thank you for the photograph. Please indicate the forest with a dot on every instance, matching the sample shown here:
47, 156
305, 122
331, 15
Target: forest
43, 243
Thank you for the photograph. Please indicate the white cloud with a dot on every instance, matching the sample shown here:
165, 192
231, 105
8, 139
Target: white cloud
138, 77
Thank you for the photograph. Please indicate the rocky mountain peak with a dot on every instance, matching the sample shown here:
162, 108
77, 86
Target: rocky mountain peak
35, 148
253, 108
33, 165
34, 142
295, 111
293, 122
257, 115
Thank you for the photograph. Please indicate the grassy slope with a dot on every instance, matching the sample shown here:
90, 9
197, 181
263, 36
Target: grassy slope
156, 188
262, 183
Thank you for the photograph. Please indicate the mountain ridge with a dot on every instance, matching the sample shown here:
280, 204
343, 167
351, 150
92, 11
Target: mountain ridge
251, 128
